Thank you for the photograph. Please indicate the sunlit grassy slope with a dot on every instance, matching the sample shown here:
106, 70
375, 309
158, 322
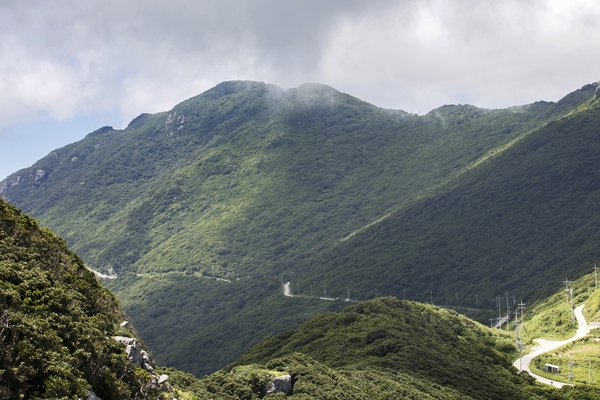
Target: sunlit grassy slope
213, 201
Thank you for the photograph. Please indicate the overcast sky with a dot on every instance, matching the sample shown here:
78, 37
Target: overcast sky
68, 67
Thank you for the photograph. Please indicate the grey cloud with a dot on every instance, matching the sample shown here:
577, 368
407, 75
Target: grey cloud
71, 60
144, 56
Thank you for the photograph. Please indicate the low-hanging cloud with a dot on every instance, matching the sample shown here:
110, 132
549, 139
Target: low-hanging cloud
69, 57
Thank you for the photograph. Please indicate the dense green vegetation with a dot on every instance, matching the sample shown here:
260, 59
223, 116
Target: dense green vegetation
209, 312
395, 335
519, 222
56, 321
384, 349
248, 182
312, 380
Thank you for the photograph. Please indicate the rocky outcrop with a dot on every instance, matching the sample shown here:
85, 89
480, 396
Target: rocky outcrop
40, 176
280, 384
10, 183
92, 396
139, 356
136, 354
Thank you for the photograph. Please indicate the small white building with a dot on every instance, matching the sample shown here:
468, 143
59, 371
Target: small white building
551, 368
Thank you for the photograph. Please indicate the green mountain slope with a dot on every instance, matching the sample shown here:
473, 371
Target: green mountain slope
56, 321
248, 176
395, 335
385, 349
519, 222
202, 209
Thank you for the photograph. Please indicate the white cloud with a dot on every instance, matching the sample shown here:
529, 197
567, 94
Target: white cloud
71, 57
70, 66
491, 53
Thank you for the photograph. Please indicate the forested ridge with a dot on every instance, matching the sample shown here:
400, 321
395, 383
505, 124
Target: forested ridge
56, 321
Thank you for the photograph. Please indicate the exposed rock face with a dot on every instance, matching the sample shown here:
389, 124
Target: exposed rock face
92, 396
40, 176
280, 384
597, 92
10, 183
135, 352
140, 357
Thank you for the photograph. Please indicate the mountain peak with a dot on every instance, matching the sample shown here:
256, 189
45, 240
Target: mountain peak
231, 87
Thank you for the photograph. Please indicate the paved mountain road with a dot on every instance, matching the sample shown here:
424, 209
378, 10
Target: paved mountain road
286, 292
549, 345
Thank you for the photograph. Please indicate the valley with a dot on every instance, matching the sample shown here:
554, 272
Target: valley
380, 348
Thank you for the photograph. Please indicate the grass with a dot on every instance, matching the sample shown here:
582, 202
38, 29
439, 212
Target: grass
584, 355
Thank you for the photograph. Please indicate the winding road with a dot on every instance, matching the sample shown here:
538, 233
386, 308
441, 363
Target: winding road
101, 275
549, 345
286, 292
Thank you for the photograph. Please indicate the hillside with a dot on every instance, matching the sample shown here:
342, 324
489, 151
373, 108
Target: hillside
386, 349
203, 210
57, 322
519, 223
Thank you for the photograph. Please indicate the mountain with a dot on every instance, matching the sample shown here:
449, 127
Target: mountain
206, 210
60, 331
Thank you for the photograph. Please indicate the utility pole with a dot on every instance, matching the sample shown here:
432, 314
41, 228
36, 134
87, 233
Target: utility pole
571, 376
519, 342
572, 305
499, 307
596, 275
522, 309
520, 329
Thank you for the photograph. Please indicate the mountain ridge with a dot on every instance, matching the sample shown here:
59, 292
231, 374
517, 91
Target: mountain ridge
235, 187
